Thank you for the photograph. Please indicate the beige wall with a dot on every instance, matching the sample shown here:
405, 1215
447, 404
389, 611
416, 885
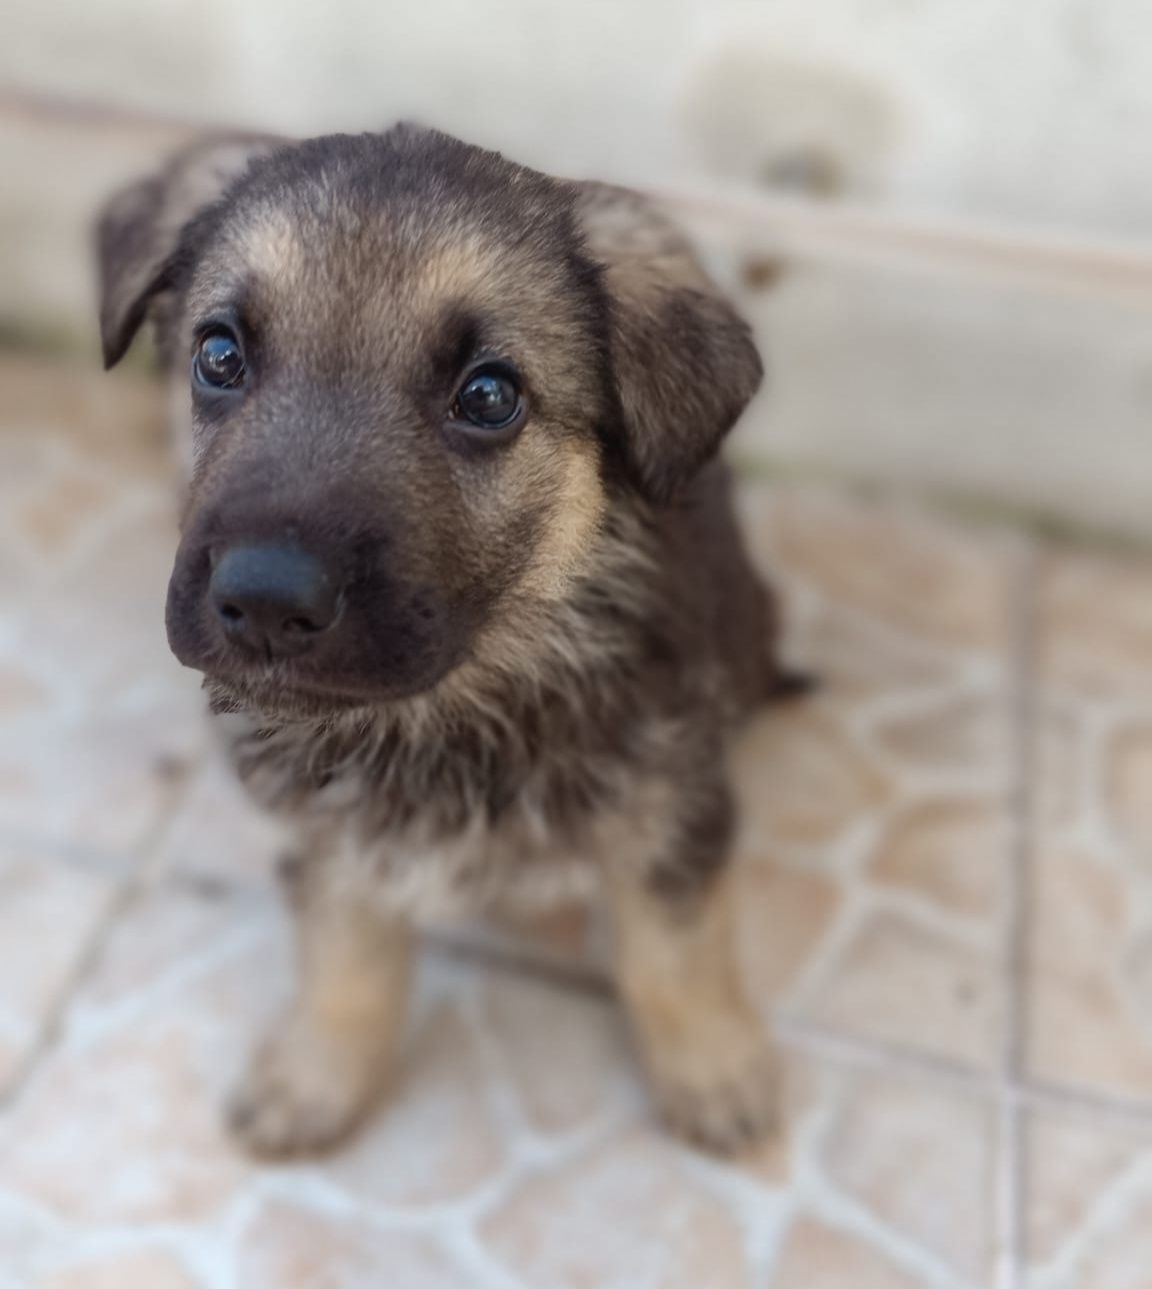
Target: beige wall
1031, 109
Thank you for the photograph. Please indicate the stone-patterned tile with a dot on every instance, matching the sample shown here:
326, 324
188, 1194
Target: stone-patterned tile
1088, 1185
288, 1246
626, 1215
49, 912
14, 1048
1095, 625
219, 834
1090, 1009
28, 1246
1088, 1023
22, 692
966, 736
1127, 780
166, 932
896, 981
99, 782
93, 709
571, 1068
151, 1045
435, 1139
858, 660
804, 781
948, 852
55, 522
886, 797
145, 1095
101, 623
920, 1160
568, 1057
121, 1271
1059, 786
112, 418
871, 1181
817, 1256
924, 577
76, 446
1122, 1260
785, 913
156, 1040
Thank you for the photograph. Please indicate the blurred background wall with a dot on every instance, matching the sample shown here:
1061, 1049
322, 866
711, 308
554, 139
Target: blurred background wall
1033, 109
1032, 114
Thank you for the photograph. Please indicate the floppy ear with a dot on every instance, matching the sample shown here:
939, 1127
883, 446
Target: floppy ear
139, 228
684, 361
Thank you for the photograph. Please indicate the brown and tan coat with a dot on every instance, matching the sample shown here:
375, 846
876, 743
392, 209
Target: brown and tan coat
504, 660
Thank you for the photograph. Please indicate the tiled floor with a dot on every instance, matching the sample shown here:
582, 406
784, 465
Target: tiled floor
948, 922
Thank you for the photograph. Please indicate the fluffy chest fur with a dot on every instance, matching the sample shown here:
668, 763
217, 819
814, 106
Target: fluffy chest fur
466, 816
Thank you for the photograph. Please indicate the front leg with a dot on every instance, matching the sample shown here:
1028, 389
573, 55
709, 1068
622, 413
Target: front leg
322, 1069
674, 903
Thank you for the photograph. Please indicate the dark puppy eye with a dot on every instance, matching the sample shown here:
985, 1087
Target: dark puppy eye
489, 399
218, 361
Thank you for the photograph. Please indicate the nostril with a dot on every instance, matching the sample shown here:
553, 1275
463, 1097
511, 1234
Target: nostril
231, 613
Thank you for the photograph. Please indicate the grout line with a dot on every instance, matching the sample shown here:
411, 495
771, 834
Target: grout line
1039, 1094
872, 1054
1018, 928
135, 878
106, 863
1011, 1182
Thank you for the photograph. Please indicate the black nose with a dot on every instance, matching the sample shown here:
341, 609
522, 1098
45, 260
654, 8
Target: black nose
274, 599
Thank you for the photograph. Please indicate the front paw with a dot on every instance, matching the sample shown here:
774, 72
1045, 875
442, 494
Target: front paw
307, 1090
721, 1096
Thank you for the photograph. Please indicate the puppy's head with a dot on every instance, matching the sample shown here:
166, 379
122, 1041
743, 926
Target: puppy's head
420, 375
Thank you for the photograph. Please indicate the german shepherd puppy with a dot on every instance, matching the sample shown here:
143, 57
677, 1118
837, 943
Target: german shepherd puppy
461, 572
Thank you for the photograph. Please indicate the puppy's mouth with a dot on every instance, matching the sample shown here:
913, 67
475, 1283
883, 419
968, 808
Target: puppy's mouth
285, 697
277, 701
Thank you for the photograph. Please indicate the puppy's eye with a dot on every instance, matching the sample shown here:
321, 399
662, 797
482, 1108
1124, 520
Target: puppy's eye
489, 399
218, 362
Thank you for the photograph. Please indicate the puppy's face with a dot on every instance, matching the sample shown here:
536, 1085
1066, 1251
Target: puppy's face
397, 379
403, 368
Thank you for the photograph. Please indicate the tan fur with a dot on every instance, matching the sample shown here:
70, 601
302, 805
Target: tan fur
458, 267
710, 1063
324, 1066
271, 248
577, 512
